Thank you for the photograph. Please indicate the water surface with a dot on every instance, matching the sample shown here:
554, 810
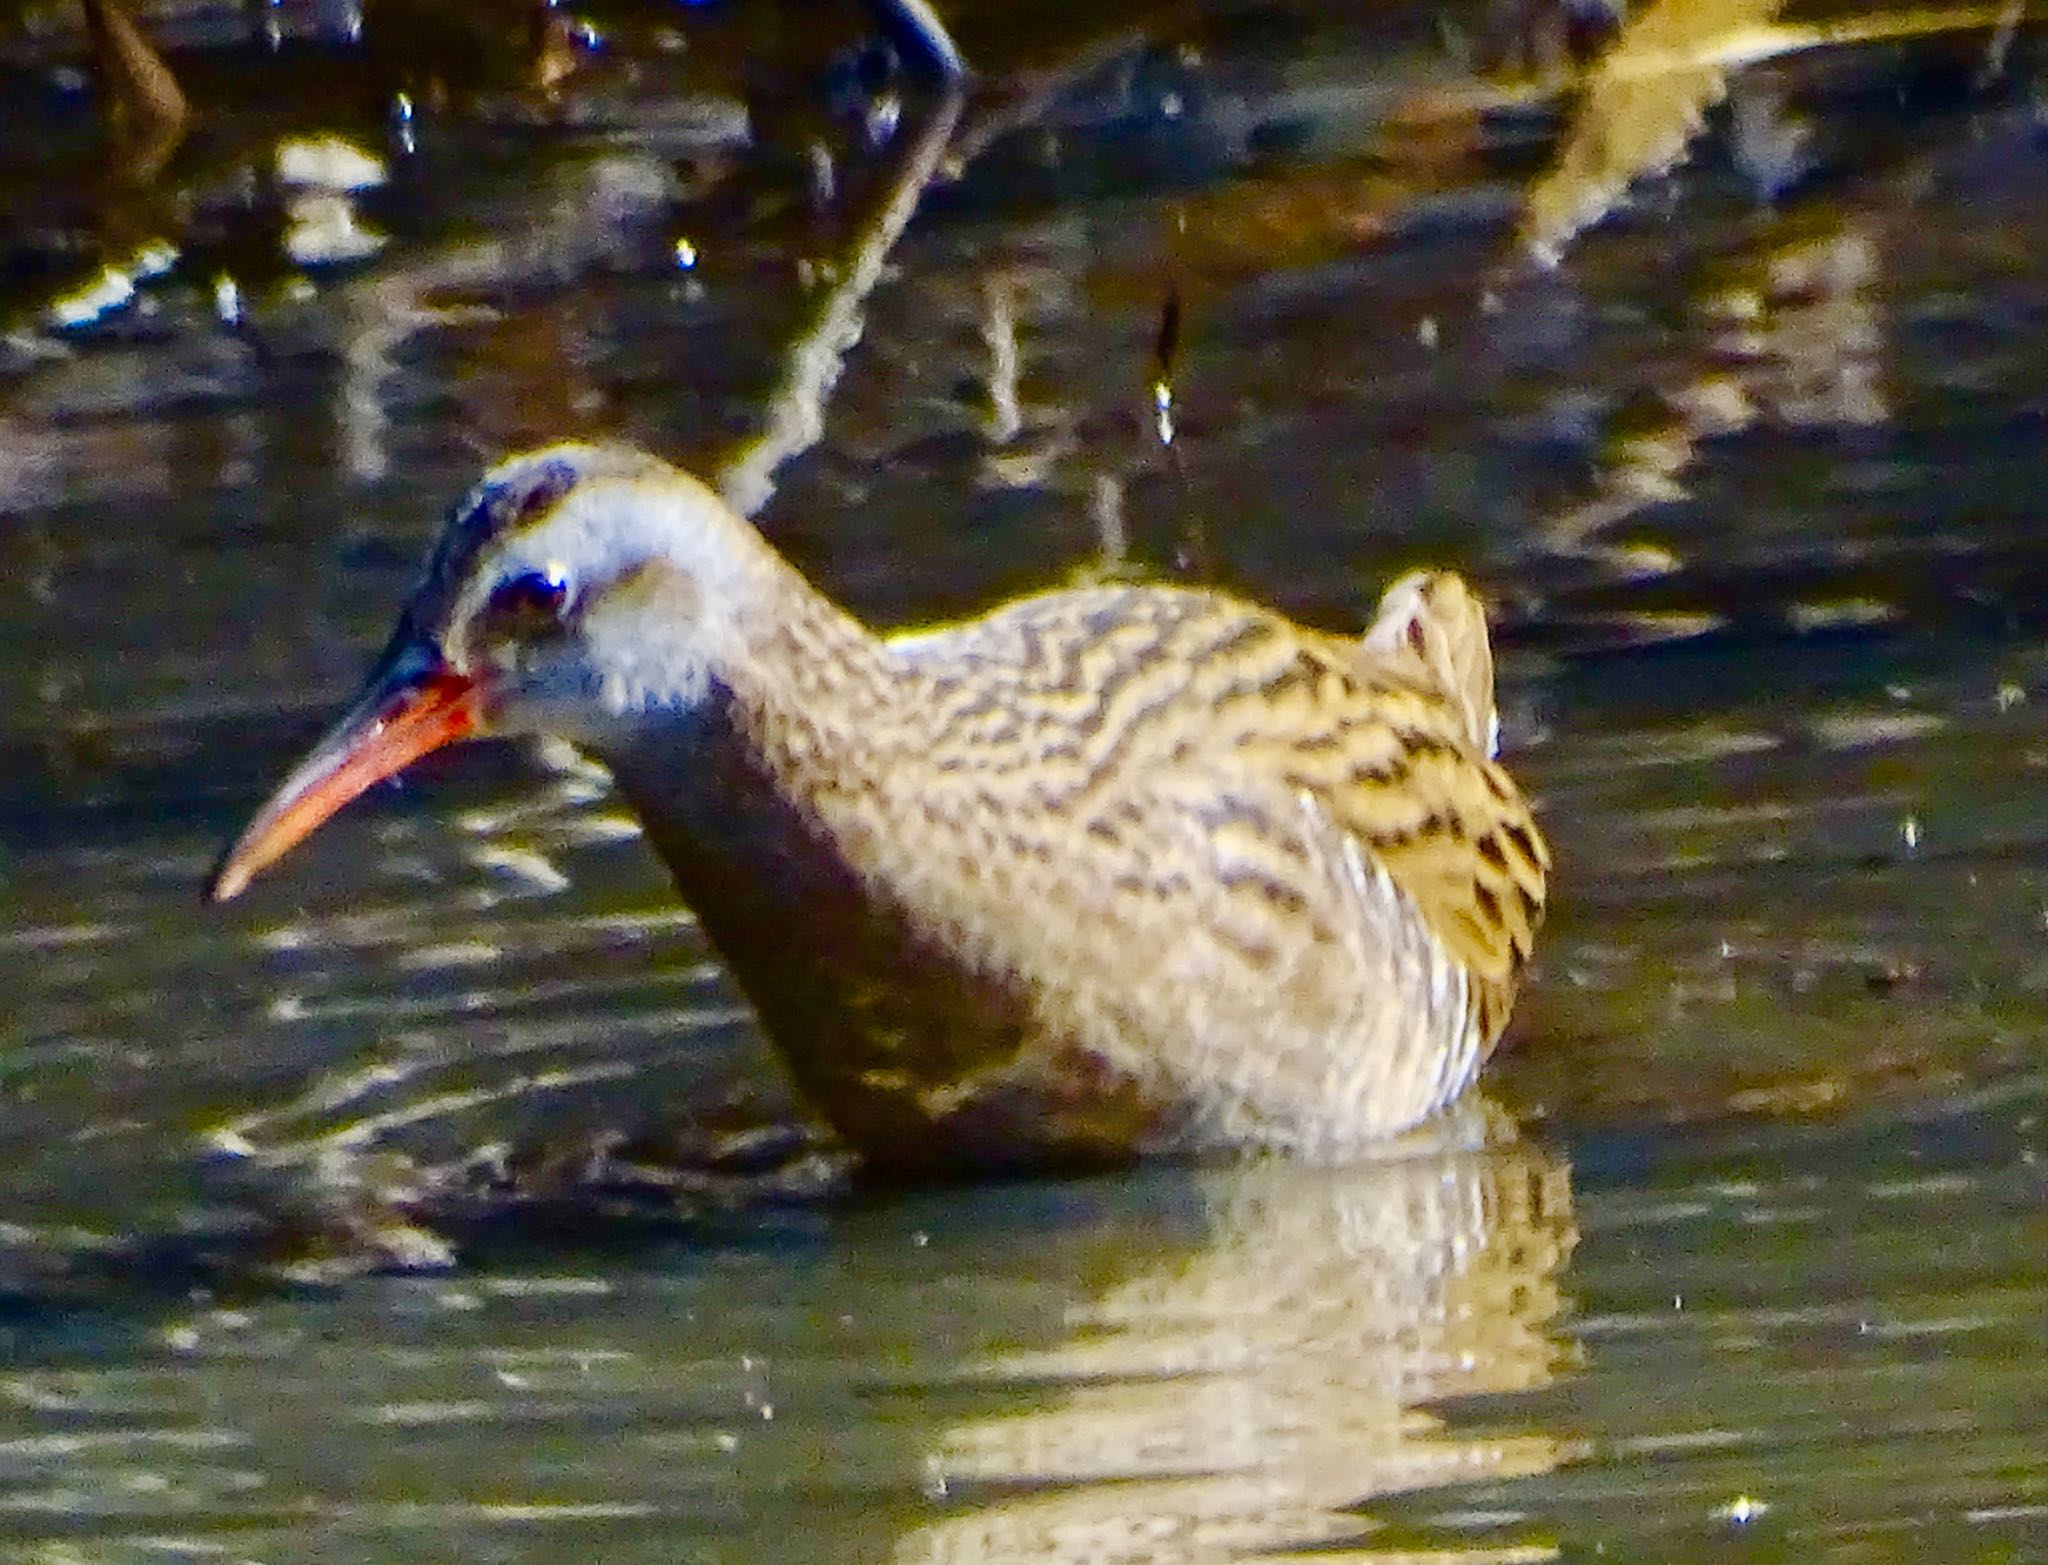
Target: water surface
1745, 1255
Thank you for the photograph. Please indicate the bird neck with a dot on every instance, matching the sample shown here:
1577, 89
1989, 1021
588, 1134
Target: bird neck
804, 704
775, 802
815, 696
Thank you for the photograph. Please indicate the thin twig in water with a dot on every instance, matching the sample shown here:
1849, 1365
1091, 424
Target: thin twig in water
915, 23
796, 411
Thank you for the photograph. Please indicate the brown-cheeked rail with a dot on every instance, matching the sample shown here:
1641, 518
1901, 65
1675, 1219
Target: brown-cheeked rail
1105, 872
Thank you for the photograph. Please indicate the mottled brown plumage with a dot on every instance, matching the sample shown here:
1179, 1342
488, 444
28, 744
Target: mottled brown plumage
1105, 872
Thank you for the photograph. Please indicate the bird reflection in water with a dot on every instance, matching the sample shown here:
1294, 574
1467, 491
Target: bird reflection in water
1251, 1397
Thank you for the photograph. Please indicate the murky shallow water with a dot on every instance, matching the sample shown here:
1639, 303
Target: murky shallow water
1754, 1261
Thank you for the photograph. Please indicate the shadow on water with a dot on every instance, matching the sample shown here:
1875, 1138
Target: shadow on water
1751, 474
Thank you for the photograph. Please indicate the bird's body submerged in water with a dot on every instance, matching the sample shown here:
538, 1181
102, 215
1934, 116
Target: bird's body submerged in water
1105, 872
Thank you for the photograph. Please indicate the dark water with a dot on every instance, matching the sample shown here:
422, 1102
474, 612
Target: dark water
1745, 1258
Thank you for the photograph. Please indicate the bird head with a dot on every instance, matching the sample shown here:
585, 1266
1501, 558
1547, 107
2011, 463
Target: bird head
573, 591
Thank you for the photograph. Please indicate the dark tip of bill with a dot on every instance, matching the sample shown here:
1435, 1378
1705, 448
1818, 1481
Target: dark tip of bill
215, 888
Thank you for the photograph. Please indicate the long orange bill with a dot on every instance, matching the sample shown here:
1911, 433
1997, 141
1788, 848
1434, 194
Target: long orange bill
414, 703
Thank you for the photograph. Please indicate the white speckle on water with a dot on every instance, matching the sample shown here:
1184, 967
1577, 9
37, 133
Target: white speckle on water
1741, 1511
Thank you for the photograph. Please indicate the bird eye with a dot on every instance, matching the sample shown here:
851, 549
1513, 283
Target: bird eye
532, 599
